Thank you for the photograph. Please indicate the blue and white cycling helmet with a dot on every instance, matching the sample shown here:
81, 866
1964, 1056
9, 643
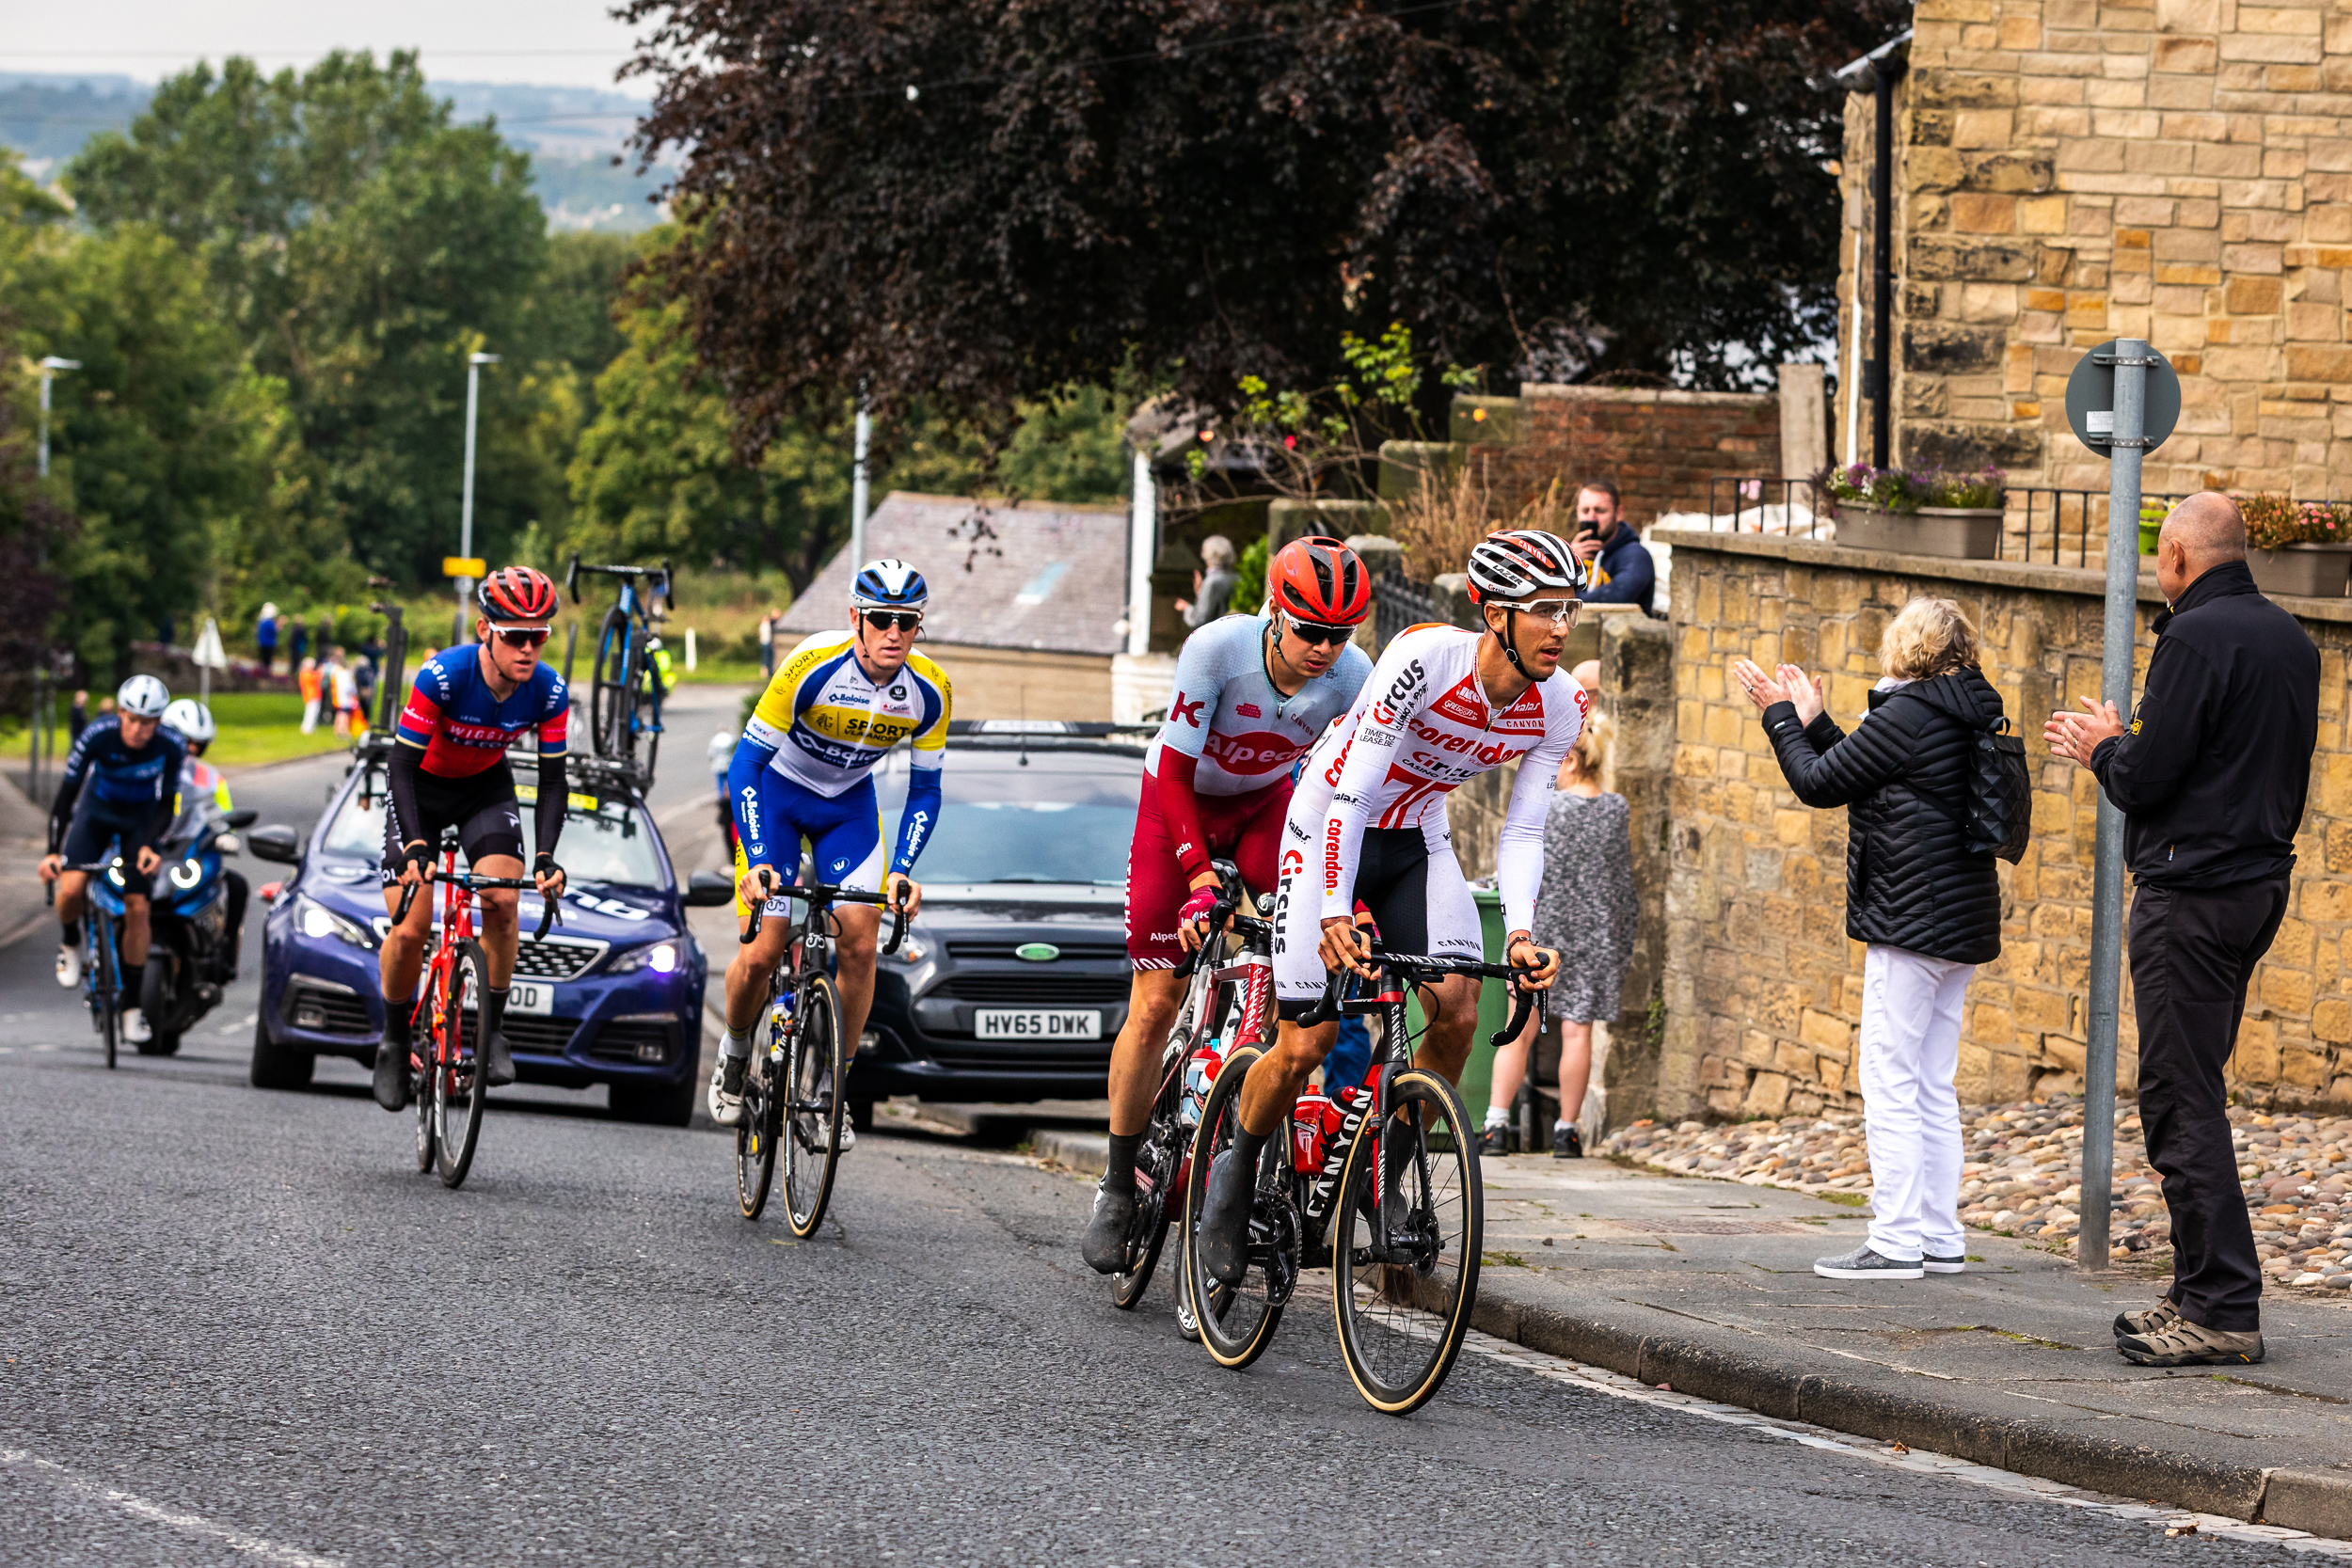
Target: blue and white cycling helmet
888, 585
142, 697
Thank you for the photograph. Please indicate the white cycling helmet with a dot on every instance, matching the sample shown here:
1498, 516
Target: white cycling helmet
142, 697
888, 585
192, 719
1523, 563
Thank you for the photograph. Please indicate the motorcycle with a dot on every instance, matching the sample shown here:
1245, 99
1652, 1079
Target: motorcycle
195, 914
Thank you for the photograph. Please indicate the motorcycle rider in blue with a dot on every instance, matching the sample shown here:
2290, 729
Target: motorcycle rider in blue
121, 785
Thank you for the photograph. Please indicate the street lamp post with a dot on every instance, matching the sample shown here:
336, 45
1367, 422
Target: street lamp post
49, 368
859, 493
465, 513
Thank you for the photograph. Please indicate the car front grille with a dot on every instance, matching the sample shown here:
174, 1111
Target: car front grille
557, 959
323, 1007
534, 1036
1009, 952
1042, 988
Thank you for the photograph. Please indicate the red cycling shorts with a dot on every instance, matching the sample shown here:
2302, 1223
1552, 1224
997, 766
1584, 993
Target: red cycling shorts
1244, 829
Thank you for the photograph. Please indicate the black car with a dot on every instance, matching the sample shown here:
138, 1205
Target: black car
1013, 980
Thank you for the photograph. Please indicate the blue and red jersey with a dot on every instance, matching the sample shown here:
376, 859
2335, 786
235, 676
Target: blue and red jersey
462, 729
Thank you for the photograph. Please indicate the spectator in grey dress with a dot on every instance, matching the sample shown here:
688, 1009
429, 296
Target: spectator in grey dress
1585, 910
1214, 585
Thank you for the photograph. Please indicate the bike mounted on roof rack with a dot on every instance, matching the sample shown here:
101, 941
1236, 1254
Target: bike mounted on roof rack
629, 677
593, 780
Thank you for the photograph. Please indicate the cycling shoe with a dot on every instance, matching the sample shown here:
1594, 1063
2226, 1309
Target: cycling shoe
499, 1063
1224, 1235
392, 1074
726, 1091
69, 967
1104, 1247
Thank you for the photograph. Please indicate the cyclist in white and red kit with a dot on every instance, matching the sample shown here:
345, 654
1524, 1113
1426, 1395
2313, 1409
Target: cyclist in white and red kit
1252, 692
1368, 825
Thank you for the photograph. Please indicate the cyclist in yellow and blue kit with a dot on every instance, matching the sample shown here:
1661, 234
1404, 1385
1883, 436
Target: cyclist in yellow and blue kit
804, 770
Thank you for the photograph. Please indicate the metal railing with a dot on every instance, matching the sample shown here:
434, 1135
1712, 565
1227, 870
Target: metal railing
1397, 602
2038, 525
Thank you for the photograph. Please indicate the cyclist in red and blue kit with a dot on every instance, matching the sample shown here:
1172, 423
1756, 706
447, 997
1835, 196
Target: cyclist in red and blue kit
449, 769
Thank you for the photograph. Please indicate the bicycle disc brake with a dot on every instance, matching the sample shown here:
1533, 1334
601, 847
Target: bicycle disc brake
1274, 1242
1154, 1174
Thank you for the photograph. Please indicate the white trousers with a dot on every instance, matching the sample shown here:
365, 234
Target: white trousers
1911, 1014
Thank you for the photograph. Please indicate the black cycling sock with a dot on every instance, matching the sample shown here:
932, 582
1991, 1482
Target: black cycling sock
70, 932
397, 1013
493, 1011
1119, 1175
1248, 1145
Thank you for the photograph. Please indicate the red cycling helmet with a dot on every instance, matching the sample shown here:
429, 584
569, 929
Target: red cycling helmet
517, 595
1320, 579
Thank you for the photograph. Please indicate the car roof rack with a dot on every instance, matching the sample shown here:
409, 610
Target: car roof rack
593, 775
1093, 729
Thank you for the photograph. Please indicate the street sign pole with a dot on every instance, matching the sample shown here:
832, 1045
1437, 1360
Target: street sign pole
464, 632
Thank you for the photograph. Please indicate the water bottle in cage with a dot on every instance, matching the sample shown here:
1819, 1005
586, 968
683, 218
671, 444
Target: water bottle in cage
1312, 1121
1199, 1072
780, 1022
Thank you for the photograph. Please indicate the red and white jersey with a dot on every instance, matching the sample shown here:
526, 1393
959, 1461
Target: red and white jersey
1226, 711
1422, 728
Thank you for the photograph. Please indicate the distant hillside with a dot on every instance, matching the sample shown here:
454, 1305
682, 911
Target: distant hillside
573, 134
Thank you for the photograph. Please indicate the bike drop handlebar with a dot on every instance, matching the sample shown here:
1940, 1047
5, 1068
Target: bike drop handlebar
1227, 900
1419, 966
574, 567
551, 910
819, 892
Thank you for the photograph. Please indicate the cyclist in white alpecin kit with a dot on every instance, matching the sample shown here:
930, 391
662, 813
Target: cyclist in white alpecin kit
1367, 824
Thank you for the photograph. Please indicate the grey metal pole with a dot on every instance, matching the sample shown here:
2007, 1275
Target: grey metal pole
47, 375
2107, 889
465, 511
859, 492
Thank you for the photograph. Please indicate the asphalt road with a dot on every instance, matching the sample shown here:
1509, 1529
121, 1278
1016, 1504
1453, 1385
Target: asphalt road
238, 1327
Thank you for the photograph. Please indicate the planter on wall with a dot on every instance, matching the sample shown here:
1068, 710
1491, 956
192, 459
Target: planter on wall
2310, 571
1968, 532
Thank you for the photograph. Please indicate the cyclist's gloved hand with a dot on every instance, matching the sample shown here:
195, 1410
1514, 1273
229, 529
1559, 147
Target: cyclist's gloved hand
416, 861
1192, 920
549, 875
1541, 964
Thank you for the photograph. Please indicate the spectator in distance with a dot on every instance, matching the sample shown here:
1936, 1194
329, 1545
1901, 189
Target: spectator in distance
1624, 573
77, 716
1585, 910
1215, 588
2211, 776
298, 642
264, 636
309, 681
1928, 909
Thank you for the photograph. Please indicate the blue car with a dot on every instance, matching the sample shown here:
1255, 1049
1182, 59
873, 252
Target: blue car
612, 996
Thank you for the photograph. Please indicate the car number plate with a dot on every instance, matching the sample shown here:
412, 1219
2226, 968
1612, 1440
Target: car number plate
1037, 1023
536, 997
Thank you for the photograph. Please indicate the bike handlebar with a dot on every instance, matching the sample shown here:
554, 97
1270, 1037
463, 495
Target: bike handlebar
820, 893
575, 567
1227, 900
1410, 967
551, 910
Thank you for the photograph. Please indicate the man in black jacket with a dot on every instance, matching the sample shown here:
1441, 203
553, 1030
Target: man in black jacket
2211, 778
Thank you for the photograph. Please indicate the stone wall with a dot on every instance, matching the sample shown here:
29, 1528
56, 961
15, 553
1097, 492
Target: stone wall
2072, 171
1664, 449
1763, 989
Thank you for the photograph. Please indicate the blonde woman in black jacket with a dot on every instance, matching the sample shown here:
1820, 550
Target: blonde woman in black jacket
1929, 910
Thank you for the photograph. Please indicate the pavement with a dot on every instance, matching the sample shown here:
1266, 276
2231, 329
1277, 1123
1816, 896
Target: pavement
1706, 1286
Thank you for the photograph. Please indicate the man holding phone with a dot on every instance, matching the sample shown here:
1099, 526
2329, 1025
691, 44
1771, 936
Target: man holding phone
1622, 570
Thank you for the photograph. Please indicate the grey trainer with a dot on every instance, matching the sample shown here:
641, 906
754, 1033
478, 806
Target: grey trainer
1956, 1263
2155, 1320
2188, 1344
1862, 1263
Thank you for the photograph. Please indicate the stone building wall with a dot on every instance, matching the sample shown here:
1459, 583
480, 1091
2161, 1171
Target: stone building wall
1762, 988
2072, 171
1664, 449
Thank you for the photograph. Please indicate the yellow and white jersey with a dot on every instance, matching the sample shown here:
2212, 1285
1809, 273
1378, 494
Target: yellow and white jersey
828, 723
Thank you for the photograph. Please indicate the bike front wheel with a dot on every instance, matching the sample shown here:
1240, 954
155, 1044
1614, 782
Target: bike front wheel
812, 1105
1403, 1298
106, 984
1236, 1322
1159, 1160
612, 695
461, 1080
761, 1127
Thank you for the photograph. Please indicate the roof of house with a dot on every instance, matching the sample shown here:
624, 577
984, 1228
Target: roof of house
1037, 575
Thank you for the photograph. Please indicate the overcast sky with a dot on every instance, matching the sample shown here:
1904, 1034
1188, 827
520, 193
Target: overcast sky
556, 42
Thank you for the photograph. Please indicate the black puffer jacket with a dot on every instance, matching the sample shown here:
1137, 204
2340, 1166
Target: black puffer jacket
1903, 776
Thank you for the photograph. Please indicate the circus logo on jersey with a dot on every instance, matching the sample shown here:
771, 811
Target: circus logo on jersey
1462, 704
1259, 752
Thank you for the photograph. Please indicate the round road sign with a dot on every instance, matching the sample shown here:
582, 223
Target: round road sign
2090, 400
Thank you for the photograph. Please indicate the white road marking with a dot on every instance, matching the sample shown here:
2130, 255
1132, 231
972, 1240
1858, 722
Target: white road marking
140, 1508
1596, 1380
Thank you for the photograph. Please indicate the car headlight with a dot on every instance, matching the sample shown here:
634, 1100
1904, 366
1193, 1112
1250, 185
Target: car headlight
662, 957
912, 951
316, 920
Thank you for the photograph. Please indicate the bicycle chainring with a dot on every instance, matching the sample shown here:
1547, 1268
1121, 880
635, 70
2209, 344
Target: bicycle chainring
1274, 1233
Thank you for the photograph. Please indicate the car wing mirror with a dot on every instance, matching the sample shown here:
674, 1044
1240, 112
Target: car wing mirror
707, 889
244, 817
273, 844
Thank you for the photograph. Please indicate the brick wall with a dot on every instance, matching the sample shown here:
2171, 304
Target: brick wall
1664, 449
1763, 988
2072, 170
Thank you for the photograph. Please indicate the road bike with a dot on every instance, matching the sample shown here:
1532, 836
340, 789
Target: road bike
795, 1092
1228, 1007
624, 684
101, 948
445, 1057
1404, 1265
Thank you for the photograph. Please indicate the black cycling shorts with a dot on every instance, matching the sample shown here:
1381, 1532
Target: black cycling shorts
92, 835
483, 809
1416, 897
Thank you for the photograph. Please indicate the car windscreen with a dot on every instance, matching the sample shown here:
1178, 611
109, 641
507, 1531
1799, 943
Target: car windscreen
1065, 818
607, 841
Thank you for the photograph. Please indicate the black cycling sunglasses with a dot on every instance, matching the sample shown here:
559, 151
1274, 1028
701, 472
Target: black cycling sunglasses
894, 620
522, 637
1309, 632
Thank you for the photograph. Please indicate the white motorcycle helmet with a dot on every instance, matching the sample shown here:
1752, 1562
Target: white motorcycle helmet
192, 719
142, 697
